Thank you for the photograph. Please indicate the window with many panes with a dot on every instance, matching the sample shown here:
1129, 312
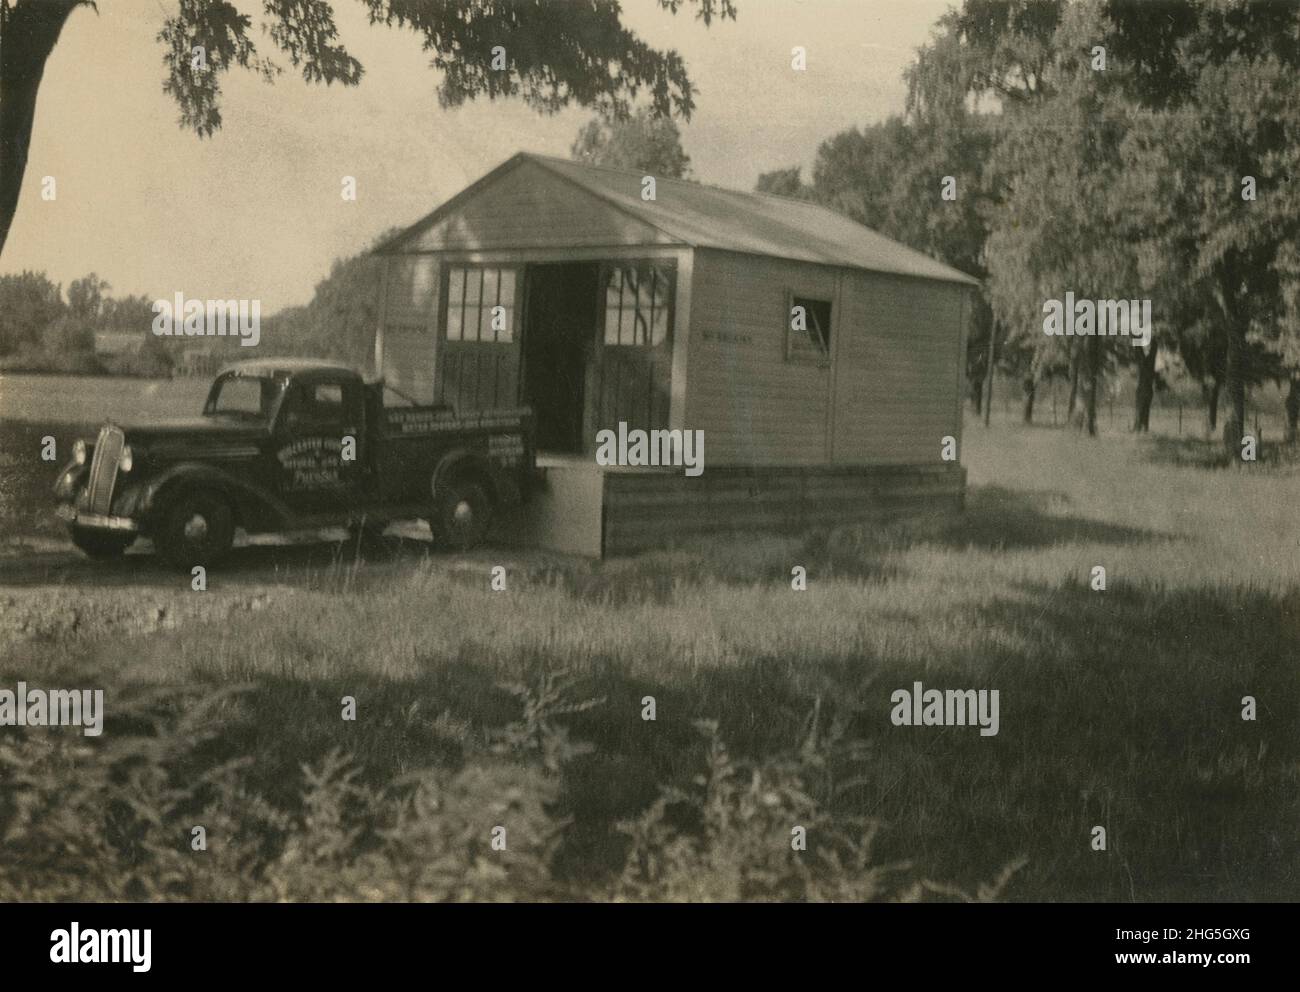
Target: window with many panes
480, 304
638, 304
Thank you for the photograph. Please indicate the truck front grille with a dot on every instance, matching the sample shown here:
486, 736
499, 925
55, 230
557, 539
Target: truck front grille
103, 470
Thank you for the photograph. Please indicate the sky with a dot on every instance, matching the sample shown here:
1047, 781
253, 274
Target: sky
255, 212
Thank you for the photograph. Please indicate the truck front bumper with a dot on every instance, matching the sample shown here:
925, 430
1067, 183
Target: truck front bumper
95, 521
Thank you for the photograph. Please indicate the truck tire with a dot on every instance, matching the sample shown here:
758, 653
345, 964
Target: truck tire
100, 544
462, 514
198, 528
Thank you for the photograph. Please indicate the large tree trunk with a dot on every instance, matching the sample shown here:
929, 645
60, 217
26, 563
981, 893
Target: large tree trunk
988, 373
1210, 392
1293, 408
28, 32
1031, 387
1226, 289
1234, 427
1075, 352
1092, 384
1146, 387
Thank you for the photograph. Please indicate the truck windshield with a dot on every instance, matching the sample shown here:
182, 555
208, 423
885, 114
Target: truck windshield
243, 396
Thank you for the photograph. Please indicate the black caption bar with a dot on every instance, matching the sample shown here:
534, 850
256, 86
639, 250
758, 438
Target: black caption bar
139, 943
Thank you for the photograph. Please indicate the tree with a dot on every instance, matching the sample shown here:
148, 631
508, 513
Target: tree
986, 59
70, 334
86, 298
1060, 228
549, 55
135, 315
642, 142
785, 182
29, 303
340, 320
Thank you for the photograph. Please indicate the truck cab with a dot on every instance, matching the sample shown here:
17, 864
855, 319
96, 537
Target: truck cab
293, 444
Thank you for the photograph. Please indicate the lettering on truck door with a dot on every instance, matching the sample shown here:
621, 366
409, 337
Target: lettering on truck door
318, 418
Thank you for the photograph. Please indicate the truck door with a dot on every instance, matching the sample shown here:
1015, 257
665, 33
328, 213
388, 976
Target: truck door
321, 444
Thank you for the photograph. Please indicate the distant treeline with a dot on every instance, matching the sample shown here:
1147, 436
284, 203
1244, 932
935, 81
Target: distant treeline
44, 330
88, 331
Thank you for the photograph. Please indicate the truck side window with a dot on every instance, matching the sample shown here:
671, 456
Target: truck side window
327, 402
319, 408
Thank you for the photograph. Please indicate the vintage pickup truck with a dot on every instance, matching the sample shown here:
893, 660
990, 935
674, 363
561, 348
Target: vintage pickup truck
293, 444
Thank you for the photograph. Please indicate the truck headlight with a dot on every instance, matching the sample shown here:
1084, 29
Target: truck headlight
126, 459
79, 452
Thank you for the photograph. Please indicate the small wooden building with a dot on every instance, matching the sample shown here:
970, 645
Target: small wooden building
675, 312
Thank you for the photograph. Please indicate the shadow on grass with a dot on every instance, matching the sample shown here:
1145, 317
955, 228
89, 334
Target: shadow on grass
323, 565
1121, 710
1201, 453
998, 518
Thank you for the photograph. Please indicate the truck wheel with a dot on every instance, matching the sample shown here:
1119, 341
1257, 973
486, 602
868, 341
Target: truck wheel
462, 513
197, 529
100, 544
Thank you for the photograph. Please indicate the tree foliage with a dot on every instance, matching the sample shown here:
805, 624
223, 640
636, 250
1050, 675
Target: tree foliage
642, 142
29, 303
785, 182
1121, 179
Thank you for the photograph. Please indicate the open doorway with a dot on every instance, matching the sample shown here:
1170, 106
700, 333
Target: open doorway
559, 342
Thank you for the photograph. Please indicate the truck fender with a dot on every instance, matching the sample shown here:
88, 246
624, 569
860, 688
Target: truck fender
245, 497
71, 478
461, 460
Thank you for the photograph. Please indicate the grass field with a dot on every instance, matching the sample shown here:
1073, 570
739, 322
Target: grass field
1120, 709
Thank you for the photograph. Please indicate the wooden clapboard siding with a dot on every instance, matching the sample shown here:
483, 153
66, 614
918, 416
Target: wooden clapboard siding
408, 313
530, 206
655, 508
408, 360
897, 364
754, 407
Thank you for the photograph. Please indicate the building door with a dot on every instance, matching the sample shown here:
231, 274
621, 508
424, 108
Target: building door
630, 381
478, 359
559, 342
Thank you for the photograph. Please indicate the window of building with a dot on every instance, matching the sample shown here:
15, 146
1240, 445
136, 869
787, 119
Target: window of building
638, 304
480, 304
808, 337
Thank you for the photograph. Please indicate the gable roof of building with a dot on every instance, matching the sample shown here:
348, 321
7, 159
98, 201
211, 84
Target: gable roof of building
702, 216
